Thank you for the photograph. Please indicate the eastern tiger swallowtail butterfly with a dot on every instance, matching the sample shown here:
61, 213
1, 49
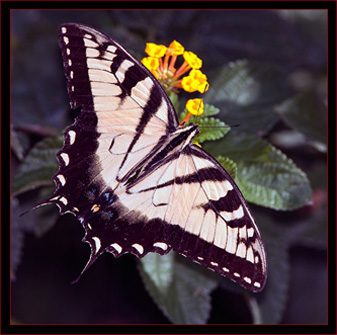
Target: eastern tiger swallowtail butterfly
132, 176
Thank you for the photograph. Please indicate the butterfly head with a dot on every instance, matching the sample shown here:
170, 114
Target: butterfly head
185, 135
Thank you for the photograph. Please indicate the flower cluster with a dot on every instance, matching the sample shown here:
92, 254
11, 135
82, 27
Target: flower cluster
161, 61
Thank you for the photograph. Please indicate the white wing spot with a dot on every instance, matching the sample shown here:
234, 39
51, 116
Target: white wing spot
256, 284
250, 255
65, 40
214, 263
89, 225
64, 201
70, 63
61, 178
200, 258
68, 51
92, 53
236, 274
88, 36
225, 269
65, 158
234, 215
89, 43
97, 243
247, 280
72, 135
250, 232
241, 250
161, 245
138, 247
232, 239
72, 74
117, 247
256, 259
64, 30
111, 48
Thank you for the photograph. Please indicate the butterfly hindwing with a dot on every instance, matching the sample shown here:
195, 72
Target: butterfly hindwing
204, 215
132, 177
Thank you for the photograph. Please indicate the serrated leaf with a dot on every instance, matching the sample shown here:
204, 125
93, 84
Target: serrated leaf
180, 288
210, 110
228, 164
211, 129
38, 166
246, 93
306, 114
265, 175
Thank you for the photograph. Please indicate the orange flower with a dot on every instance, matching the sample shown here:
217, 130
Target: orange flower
192, 60
162, 61
152, 64
195, 106
155, 50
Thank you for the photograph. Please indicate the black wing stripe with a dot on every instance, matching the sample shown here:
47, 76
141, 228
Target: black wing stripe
173, 196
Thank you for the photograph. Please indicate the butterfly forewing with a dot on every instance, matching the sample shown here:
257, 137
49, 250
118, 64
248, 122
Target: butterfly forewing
133, 178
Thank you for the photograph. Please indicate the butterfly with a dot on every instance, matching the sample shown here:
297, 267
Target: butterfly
131, 175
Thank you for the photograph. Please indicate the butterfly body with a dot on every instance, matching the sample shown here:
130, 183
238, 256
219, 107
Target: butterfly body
130, 173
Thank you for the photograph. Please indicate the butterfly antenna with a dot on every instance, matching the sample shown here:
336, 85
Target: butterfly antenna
226, 126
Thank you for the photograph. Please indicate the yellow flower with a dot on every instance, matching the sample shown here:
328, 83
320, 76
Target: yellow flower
152, 64
195, 81
188, 84
162, 63
195, 106
192, 60
176, 48
155, 50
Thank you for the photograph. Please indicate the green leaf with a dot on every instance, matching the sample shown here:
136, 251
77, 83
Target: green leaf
38, 166
174, 99
210, 110
306, 114
229, 165
246, 93
182, 115
157, 271
180, 288
265, 175
211, 129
